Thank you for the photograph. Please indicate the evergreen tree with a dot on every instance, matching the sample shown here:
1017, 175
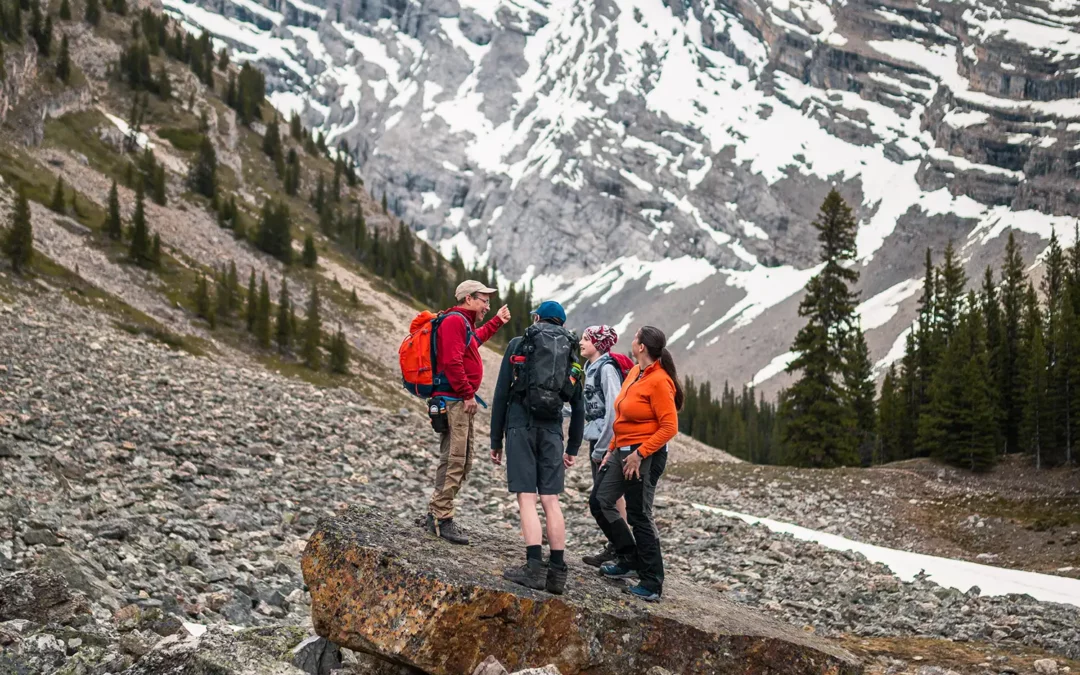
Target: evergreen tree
271, 146
275, 231
226, 293
223, 59
262, 320
140, 250
950, 288
353, 299
820, 427
1013, 284
339, 353
1035, 420
203, 174
58, 203
65, 10
251, 306
296, 129
160, 196
1054, 288
312, 332
384, 202
859, 384
991, 318
291, 177
155, 251
19, 239
201, 299
93, 12
890, 419
309, 257
318, 199
63, 62
285, 321
114, 227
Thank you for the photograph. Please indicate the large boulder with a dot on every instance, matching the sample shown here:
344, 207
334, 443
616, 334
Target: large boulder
385, 587
40, 596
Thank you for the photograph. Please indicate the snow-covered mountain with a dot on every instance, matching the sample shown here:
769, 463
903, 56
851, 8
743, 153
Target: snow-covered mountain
661, 162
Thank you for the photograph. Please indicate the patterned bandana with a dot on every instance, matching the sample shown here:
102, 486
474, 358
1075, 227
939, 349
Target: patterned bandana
603, 337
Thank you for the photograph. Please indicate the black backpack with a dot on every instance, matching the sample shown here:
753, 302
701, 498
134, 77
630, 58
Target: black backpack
545, 357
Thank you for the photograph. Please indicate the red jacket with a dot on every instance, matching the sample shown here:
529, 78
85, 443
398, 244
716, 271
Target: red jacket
461, 362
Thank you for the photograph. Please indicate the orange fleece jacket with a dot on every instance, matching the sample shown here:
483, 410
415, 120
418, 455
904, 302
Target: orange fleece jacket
645, 410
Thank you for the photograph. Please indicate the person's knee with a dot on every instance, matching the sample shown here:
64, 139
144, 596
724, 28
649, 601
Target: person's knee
550, 503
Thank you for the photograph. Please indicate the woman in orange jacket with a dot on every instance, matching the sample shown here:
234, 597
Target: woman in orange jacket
646, 418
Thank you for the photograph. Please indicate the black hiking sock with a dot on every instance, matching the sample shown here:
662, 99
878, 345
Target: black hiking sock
557, 558
534, 553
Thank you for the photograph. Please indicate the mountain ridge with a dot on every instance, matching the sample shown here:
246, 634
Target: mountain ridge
587, 146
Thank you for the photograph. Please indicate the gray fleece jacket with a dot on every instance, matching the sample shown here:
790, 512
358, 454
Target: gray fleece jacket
601, 374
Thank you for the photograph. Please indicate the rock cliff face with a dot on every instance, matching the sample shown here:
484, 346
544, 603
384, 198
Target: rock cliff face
385, 588
660, 162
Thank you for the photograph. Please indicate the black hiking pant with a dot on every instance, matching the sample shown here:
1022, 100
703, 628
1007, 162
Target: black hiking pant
639, 550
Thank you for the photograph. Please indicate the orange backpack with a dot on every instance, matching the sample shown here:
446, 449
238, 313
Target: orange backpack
418, 354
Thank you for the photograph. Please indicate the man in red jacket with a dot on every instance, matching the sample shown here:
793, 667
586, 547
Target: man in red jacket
458, 358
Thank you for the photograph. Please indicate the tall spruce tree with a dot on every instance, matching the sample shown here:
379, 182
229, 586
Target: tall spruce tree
861, 390
310, 350
1013, 289
979, 446
820, 426
1035, 420
58, 202
284, 327
310, 257
272, 146
141, 249
251, 306
92, 14
991, 318
202, 177
65, 10
275, 231
890, 419
951, 281
201, 299
114, 226
19, 239
262, 321
1054, 286
339, 353
63, 61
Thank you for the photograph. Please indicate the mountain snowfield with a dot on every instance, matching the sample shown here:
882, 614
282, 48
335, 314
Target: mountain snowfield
661, 162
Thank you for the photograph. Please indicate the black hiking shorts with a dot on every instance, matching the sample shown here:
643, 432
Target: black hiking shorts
534, 459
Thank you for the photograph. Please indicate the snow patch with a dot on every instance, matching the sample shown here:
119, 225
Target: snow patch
958, 574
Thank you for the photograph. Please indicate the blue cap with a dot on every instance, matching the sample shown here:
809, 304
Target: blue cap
549, 309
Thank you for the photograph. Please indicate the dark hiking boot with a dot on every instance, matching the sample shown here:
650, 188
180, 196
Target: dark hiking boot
598, 559
618, 570
639, 591
447, 529
556, 579
531, 575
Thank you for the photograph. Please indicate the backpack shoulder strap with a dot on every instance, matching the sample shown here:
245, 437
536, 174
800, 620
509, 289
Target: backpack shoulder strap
469, 332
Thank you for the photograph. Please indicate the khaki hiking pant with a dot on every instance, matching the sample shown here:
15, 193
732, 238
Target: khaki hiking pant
455, 460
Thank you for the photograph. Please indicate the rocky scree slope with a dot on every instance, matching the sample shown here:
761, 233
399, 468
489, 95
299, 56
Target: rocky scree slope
188, 485
661, 162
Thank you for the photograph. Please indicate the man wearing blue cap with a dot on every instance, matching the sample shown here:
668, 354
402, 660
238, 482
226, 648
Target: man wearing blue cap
539, 375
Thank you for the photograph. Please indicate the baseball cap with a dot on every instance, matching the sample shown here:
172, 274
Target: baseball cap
469, 287
549, 309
